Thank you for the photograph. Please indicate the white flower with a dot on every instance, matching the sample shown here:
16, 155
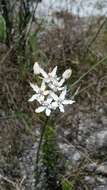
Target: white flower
49, 99
56, 86
40, 92
67, 73
60, 101
50, 77
36, 68
46, 106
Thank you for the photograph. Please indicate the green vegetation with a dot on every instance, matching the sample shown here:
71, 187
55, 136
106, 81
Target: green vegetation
67, 185
49, 159
2, 29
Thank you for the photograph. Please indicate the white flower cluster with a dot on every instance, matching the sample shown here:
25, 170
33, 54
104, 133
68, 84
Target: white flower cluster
51, 94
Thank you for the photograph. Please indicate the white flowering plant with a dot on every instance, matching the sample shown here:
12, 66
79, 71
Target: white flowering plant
51, 95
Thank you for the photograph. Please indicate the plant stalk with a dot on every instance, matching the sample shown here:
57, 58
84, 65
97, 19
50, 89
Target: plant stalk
38, 150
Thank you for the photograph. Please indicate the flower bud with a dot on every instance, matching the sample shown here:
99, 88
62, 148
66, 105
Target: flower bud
36, 68
67, 74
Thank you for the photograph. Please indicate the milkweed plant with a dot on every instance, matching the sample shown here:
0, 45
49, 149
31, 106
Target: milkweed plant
51, 95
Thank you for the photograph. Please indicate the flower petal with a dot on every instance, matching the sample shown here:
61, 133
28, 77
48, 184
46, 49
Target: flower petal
61, 82
40, 98
51, 86
53, 73
48, 112
49, 100
66, 102
35, 87
54, 96
34, 97
60, 88
62, 95
67, 74
44, 74
61, 107
54, 105
40, 109
36, 68
43, 86
58, 78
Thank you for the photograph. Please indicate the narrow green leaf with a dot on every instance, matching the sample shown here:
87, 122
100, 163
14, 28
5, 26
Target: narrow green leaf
2, 29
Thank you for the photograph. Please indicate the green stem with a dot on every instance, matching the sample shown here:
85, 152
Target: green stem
38, 150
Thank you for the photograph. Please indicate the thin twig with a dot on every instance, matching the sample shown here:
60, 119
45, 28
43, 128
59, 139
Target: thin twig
21, 183
8, 180
17, 186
